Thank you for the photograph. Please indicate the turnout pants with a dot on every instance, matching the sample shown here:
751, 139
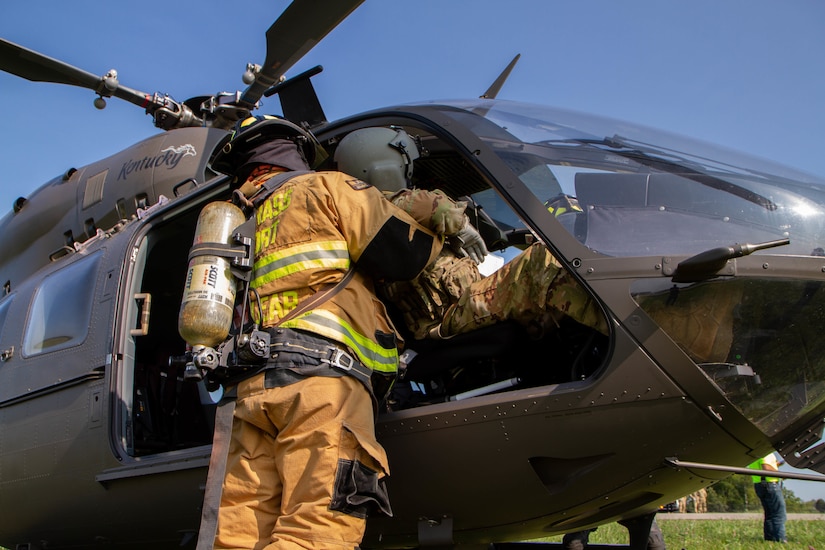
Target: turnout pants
304, 468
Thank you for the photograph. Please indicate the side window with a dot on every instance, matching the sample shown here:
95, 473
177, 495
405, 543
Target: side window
61, 308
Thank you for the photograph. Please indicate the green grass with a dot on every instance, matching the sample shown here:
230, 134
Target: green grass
716, 534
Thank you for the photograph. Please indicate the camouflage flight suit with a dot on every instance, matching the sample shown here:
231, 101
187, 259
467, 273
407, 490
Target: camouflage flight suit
532, 289
424, 300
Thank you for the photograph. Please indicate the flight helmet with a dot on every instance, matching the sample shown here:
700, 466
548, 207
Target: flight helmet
382, 157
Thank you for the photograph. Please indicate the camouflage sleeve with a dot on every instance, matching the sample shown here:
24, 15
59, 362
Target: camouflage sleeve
432, 209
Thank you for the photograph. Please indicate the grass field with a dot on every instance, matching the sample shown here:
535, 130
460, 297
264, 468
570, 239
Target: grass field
730, 534
727, 534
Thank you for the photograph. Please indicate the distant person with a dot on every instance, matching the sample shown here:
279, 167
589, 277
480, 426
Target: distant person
769, 491
700, 501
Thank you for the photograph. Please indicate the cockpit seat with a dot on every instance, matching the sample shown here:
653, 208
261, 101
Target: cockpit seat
437, 356
481, 362
495, 358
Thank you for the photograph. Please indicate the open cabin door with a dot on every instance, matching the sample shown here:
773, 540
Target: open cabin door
160, 411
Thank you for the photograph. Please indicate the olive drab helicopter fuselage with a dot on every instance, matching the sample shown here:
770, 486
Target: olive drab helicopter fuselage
707, 269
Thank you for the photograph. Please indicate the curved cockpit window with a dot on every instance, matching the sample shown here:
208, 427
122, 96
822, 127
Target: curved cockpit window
644, 192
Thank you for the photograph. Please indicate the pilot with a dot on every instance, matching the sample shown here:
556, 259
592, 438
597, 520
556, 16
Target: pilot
451, 296
304, 469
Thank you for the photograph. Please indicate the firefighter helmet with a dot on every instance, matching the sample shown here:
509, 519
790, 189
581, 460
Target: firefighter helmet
250, 133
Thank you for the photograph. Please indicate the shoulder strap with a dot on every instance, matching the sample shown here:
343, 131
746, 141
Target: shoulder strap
319, 297
266, 189
240, 253
273, 183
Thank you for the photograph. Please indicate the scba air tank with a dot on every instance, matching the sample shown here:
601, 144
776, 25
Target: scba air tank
209, 294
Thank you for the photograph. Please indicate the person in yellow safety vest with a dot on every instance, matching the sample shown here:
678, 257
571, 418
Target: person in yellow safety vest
304, 469
451, 296
769, 491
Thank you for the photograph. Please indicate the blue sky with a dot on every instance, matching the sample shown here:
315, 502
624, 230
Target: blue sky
746, 74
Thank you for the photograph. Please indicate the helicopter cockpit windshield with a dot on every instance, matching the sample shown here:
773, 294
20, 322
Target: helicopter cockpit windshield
635, 192
675, 197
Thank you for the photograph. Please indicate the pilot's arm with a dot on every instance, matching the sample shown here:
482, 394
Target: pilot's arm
445, 217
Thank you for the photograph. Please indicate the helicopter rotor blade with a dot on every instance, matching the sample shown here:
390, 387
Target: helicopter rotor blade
37, 67
299, 28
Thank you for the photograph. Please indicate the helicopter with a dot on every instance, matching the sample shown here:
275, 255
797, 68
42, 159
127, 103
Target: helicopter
706, 266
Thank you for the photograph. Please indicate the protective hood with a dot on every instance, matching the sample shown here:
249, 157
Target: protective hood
277, 152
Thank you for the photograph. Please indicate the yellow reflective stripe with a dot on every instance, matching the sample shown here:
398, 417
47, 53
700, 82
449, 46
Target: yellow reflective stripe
325, 323
316, 255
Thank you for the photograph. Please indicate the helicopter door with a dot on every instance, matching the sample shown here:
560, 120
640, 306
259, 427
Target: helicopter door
161, 411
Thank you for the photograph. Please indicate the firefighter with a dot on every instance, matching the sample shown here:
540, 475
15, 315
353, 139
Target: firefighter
304, 469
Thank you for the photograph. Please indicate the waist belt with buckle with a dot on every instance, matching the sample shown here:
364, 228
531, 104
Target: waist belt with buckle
285, 344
